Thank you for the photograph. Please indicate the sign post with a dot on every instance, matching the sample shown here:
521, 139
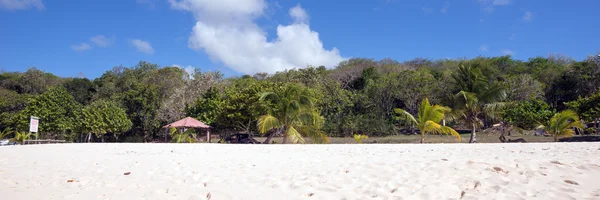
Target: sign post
33, 125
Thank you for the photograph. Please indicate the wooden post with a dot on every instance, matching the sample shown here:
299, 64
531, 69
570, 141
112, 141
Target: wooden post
208, 135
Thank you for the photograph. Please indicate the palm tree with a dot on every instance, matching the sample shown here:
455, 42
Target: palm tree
428, 120
292, 112
182, 137
20, 137
477, 98
5, 133
562, 124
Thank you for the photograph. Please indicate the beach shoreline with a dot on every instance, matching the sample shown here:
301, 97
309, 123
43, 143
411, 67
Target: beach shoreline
342, 171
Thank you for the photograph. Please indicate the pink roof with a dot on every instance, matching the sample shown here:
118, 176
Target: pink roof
187, 122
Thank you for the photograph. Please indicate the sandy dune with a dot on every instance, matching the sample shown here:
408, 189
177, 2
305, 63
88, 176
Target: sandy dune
195, 171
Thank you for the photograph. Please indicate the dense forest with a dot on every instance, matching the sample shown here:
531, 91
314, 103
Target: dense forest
359, 96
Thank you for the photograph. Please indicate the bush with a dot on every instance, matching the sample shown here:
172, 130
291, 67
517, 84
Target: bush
528, 114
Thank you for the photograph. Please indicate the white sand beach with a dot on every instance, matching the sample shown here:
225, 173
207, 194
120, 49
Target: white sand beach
219, 171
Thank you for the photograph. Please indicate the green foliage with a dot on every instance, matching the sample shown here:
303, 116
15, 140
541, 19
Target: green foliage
292, 111
57, 111
20, 137
10, 104
562, 124
587, 107
477, 98
207, 108
81, 89
428, 119
358, 138
182, 137
527, 114
102, 117
356, 97
142, 103
5, 133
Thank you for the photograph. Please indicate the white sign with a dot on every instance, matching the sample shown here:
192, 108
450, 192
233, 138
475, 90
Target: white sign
33, 124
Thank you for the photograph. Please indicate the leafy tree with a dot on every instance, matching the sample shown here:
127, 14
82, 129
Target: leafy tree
207, 108
292, 111
243, 105
477, 97
35, 81
523, 87
56, 109
141, 104
81, 89
102, 117
428, 119
587, 107
562, 124
11, 103
527, 114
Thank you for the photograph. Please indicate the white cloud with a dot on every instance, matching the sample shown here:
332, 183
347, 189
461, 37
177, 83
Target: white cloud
190, 70
427, 10
102, 41
81, 47
528, 16
489, 5
501, 2
507, 52
21, 4
226, 30
445, 8
298, 14
143, 46
483, 48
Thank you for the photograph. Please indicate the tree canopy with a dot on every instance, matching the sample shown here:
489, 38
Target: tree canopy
356, 97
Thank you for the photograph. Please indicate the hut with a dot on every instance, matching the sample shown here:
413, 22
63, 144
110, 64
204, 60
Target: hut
189, 122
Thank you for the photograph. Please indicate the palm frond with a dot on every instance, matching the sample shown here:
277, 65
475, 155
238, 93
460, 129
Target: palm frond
494, 110
295, 136
403, 114
316, 135
268, 122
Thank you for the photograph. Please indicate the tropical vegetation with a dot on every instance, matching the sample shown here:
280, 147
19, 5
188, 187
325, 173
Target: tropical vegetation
311, 104
428, 119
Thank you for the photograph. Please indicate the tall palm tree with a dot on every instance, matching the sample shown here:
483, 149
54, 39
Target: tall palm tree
562, 124
292, 112
477, 98
428, 120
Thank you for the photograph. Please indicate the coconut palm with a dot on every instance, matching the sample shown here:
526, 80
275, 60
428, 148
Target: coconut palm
428, 120
563, 124
477, 98
292, 112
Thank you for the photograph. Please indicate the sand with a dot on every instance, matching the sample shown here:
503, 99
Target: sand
370, 171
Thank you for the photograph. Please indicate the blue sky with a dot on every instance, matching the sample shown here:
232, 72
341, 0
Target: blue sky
247, 36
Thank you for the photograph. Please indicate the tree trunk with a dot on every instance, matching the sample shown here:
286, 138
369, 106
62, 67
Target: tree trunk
473, 138
269, 137
422, 137
285, 135
556, 138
